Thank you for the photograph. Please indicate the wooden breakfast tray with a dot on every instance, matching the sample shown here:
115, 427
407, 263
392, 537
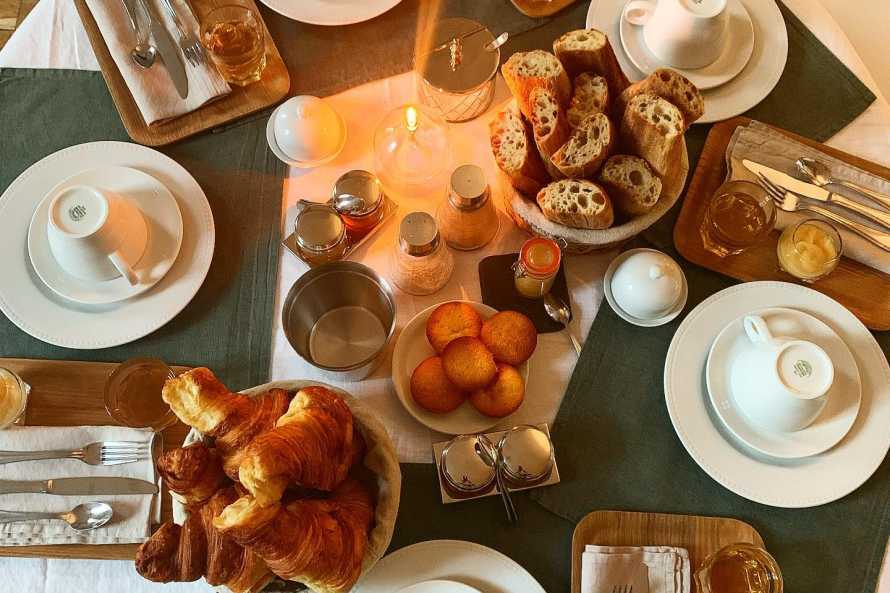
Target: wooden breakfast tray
273, 86
700, 535
67, 393
863, 290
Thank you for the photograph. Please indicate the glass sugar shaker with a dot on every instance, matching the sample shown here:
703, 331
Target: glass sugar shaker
422, 263
467, 217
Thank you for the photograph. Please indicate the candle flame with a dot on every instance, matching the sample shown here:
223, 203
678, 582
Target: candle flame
411, 118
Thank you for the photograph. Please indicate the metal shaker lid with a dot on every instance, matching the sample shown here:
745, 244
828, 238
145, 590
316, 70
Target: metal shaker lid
318, 227
418, 234
463, 63
463, 468
357, 193
468, 188
527, 453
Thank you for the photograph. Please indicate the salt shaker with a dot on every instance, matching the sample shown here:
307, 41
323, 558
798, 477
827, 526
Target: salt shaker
422, 263
467, 217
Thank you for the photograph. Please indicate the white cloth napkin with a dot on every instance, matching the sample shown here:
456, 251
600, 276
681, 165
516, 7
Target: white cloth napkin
760, 143
133, 514
647, 569
152, 88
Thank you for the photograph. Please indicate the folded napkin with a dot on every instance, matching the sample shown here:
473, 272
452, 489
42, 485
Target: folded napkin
647, 569
760, 143
133, 515
152, 89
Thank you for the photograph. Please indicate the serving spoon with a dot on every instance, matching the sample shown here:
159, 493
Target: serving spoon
820, 174
83, 517
492, 457
560, 313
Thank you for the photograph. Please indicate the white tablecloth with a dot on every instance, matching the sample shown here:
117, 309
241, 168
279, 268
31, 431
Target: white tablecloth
52, 37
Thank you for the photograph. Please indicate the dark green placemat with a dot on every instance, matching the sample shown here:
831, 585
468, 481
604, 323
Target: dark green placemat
228, 325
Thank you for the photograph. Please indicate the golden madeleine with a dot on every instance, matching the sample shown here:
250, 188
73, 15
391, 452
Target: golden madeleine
432, 390
468, 363
503, 396
450, 321
510, 336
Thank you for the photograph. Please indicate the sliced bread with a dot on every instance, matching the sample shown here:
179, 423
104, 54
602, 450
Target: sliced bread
589, 50
670, 85
652, 128
631, 183
577, 203
587, 148
590, 95
549, 125
526, 71
514, 152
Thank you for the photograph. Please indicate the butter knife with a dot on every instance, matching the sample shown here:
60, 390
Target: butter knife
169, 51
814, 192
78, 486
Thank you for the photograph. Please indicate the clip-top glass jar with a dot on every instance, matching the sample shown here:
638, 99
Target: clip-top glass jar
467, 217
536, 268
320, 233
422, 264
358, 197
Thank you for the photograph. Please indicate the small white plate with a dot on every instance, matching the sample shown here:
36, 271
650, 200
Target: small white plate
280, 154
410, 350
736, 53
481, 568
610, 298
162, 217
844, 397
439, 586
330, 12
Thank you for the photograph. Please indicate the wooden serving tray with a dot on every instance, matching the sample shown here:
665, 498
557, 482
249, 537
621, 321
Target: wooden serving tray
700, 535
863, 290
273, 86
68, 393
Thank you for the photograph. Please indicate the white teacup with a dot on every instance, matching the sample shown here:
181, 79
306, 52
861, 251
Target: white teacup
96, 235
780, 384
685, 34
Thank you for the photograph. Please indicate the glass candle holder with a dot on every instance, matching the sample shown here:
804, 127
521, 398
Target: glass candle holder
235, 39
411, 147
738, 216
810, 249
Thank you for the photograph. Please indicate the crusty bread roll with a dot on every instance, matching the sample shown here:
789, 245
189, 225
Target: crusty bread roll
587, 148
652, 128
671, 86
526, 71
632, 185
590, 95
577, 203
515, 154
589, 50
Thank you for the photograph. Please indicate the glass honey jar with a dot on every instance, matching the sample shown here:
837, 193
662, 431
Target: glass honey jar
320, 234
535, 270
359, 199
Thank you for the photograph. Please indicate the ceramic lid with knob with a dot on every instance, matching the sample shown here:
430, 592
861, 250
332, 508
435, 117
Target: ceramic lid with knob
646, 285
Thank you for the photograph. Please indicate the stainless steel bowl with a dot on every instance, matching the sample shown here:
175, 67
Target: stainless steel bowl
340, 317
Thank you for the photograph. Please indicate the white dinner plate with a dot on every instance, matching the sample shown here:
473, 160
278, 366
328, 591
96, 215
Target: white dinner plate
743, 92
844, 397
813, 481
733, 59
162, 217
410, 350
481, 568
41, 313
330, 12
439, 586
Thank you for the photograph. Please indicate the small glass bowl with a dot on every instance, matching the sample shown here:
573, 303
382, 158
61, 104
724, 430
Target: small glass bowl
738, 567
738, 216
11, 380
133, 394
810, 249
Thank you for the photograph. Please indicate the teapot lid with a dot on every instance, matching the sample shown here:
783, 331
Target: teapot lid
647, 284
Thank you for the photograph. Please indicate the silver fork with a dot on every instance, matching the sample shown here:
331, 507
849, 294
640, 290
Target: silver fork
188, 42
101, 453
789, 202
622, 589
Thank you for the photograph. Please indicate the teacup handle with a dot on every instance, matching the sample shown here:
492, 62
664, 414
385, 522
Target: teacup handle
757, 330
637, 12
124, 268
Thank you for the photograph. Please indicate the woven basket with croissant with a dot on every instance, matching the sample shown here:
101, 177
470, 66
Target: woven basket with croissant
292, 478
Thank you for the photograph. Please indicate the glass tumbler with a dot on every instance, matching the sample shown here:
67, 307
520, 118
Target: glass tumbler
810, 249
235, 39
738, 216
739, 568
13, 397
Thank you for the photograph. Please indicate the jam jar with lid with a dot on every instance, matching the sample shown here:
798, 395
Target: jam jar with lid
320, 233
359, 199
423, 263
467, 217
536, 268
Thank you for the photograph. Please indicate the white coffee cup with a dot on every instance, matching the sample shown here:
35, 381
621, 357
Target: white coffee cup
96, 235
686, 34
780, 384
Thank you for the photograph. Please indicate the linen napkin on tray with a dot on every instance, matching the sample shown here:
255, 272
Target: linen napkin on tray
763, 144
647, 569
133, 514
152, 88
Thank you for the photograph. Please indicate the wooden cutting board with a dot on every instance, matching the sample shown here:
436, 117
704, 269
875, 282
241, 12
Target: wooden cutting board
861, 289
242, 101
68, 393
700, 535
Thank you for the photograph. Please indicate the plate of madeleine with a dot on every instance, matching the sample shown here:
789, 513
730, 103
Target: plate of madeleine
460, 367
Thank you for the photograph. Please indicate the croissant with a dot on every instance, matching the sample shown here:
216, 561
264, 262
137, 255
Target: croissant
199, 400
318, 542
313, 445
196, 549
194, 472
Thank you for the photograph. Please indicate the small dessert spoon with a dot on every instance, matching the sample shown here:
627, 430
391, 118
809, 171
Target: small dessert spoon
560, 313
83, 517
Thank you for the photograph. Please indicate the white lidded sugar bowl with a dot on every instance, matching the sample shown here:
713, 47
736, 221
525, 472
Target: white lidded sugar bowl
645, 287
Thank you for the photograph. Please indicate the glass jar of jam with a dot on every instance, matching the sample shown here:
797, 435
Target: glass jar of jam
320, 234
359, 199
536, 268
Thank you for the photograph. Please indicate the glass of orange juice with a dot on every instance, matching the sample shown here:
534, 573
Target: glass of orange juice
235, 38
13, 397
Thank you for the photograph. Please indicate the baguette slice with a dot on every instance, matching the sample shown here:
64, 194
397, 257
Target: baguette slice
551, 130
526, 71
590, 95
577, 203
587, 148
652, 128
511, 144
670, 85
631, 183
589, 50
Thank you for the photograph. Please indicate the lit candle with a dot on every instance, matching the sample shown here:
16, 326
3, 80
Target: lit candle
411, 118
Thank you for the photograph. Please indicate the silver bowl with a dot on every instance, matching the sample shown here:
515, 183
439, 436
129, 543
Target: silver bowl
340, 318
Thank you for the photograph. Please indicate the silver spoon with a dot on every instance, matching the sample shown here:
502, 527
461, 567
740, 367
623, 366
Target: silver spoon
83, 517
491, 456
143, 53
560, 313
820, 174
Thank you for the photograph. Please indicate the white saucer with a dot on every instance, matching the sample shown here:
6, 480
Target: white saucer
844, 397
439, 586
280, 154
753, 83
736, 53
473, 565
610, 298
330, 12
410, 350
38, 311
799, 483
162, 217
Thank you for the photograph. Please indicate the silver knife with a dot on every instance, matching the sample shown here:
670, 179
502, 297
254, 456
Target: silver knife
169, 51
85, 486
814, 192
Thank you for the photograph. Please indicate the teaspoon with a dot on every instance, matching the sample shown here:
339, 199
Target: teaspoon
143, 53
820, 174
492, 457
83, 517
560, 313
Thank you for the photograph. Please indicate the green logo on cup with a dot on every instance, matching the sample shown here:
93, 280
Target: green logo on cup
803, 368
77, 212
